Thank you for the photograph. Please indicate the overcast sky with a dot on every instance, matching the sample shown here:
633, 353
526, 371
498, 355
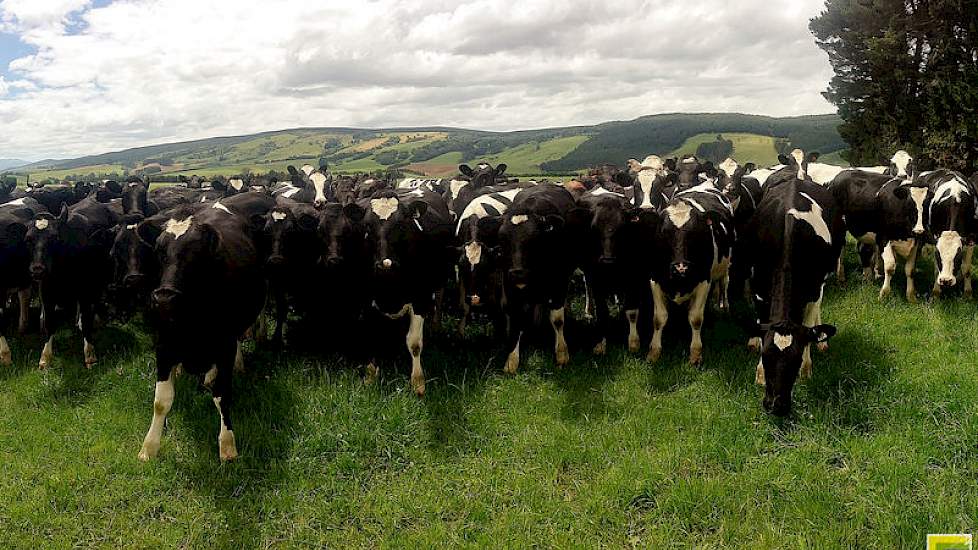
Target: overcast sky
88, 76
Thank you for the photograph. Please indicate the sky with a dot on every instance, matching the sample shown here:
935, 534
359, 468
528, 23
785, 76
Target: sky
81, 77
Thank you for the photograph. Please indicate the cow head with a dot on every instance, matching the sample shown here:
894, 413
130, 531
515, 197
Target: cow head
611, 220
135, 196
133, 257
783, 348
235, 185
913, 206
393, 227
685, 240
320, 184
689, 168
797, 163
902, 165
484, 173
288, 232
341, 235
478, 257
345, 189
45, 242
524, 239
7, 186
185, 251
261, 184
952, 225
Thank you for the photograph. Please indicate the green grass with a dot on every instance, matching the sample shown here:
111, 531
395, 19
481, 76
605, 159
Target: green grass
883, 447
747, 147
527, 158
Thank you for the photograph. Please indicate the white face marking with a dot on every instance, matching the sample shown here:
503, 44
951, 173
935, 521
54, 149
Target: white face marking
799, 157
919, 194
473, 251
519, 218
278, 216
203, 199
729, 166
782, 340
455, 186
384, 208
41, 224
319, 184
948, 245
646, 178
133, 184
653, 162
307, 169
814, 218
236, 184
292, 191
131, 227
220, 206
598, 191
483, 166
901, 159
178, 228
679, 213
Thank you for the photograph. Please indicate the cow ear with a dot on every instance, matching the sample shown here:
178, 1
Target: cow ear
308, 222
16, 232
901, 192
783, 159
578, 217
466, 170
149, 231
821, 333
500, 169
210, 236
553, 222
749, 167
182, 178
671, 164
292, 170
354, 212
813, 156
417, 209
489, 225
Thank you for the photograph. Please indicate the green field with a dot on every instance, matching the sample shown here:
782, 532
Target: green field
527, 158
747, 147
882, 448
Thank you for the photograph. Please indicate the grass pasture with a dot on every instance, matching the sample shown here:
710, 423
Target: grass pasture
610, 451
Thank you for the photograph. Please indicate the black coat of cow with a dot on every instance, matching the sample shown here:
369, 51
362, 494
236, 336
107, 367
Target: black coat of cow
15, 217
537, 258
52, 197
71, 264
211, 290
792, 246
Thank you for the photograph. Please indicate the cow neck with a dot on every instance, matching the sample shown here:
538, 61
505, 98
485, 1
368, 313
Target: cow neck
781, 286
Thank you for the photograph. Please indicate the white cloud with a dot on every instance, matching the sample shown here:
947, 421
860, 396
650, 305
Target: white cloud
144, 71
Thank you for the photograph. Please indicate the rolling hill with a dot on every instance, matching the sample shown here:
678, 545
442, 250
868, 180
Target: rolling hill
437, 151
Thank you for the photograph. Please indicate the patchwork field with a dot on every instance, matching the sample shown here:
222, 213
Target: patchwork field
882, 448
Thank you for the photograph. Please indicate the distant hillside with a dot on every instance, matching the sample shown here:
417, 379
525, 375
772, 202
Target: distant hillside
437, 150
6, 164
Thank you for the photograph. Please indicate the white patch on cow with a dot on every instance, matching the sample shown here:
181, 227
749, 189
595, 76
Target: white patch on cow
291, 191
598, 191
901, 159
132, 227
384, 207
219, 206
919, 195
519, 218
18, 202
868, 238
319, 184
799, 157
950, 189
162, 402
133, 184
689, 160
679, 213
782, 340
473, 252
455, 186
225, 439
696, 205
729, 166
178, 228
5, 357
203, 199
761, 175
307, 169
646, 178
236, 184
278, 216
41, 224
948, 245
813, 218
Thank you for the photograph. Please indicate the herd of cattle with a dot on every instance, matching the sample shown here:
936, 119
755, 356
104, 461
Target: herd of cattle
203, 261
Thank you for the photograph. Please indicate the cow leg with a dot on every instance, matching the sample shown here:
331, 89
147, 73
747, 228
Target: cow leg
966, 269
877, 262
759, 373
697, 307
466, 308
840, 269
48, 328
25, 304
87, 316
813, 314
724, 283
6, 358
238, 358
633, 340
936, 291
867, 253
660, 316
415, 342
162, 401
560, 348
889, 268
281, 314
908, 269
223, 395
604, 328
588, 300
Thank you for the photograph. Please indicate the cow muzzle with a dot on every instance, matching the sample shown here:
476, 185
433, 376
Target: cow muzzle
947, 280
385, 264
679, 269
134, 280
38, 271
607, 260
164, 299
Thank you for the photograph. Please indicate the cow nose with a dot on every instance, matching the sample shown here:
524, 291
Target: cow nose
944, 280
386, 263
319, 203
518, 274
475, 299
276, 260
679, 268
607, 260
37, 271
165, 296
333, 261
133, 280
918, 231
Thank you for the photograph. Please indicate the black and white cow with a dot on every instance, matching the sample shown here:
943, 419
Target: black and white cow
792, 245
70, 262
461, 190
693, 246
477, 232
409, 235
615, 260
744, 194
211, 291
312, 188
901, 165
952, 226
9, 190
888, 216
537, 259
654, 183
15, 216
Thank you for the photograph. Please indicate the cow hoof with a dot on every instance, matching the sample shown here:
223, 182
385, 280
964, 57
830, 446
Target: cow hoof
696, 357
149, 451
42, 364
759, 374
512, 363
634, 345
912, 298
372, 374
806, 370
562, 357
601, 347
88, 364
884, 294
653, 355
822, 346
227, 447
417, 386
754, 344
210, 377
6, 359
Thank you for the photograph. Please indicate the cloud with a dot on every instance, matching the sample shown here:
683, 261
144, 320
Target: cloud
137, 72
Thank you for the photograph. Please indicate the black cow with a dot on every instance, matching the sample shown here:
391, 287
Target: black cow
15, 216
70, 262
792, 246
291, 266
953, 227
615, 258
692, 251
537, 259
53, 196
409, 237
744, 194
9, 190
888, 216
136, 270
211, 290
